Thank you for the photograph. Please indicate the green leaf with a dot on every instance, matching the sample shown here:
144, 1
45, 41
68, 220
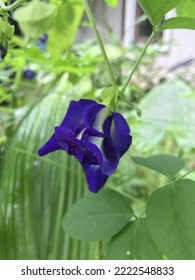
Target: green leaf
111, 3
134, 242
168, 108
108, 97
178, 23
35, 18
186, 9
36, 192
156, 10
64, 29
97, 216
165, 164
170, 216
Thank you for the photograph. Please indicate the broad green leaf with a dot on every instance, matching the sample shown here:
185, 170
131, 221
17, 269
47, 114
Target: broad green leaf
108, 97
64, 30
170, 216
156, 10
169, 108
35, 18
111, 3
186, 9
97, 216
35, 192
178, 23
133, 242
165, 164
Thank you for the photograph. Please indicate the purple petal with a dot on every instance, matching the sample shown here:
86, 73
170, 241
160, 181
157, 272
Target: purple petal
120, 133
65, 139
74, 115
91, 113
50, 146
94, 177
104, 153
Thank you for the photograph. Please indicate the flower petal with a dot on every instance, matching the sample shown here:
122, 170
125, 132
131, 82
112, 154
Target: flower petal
91, 114
120, 133
104, 153
94, 177
65, 139
74, 115
50, 146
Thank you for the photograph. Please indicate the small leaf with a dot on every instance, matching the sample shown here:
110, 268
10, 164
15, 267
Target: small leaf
97, 216
108, 97
111, 3
170, 218
178, 23
65, 26
134, 242
164, 164
35, 18
157, 9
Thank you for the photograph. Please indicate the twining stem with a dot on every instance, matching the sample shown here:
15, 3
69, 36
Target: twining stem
139, 60
93, 25
12, 6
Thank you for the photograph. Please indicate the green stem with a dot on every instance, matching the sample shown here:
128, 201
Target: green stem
187, 173
2, 5
93, 25
12, 6
139, 60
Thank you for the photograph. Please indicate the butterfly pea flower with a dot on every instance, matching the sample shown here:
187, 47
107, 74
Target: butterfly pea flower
94, 135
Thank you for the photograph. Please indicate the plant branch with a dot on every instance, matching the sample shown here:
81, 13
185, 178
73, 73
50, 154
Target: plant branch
139, 60
12, 6
93, 25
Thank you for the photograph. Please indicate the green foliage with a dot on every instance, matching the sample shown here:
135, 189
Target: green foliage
98, 216
66, 23
186, 8
165, 164
108, 97
36, 192
35, 18
111, 3
156, 10
169, 108
54, 186
134, 242
170, 219
178, 23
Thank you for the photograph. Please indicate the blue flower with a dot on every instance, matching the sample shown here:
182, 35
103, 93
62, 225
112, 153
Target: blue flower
93, 134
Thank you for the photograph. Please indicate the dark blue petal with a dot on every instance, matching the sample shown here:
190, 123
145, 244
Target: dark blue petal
94, 177
65, 139
120, 133
104, 153
91, 113
74, 115
50, 146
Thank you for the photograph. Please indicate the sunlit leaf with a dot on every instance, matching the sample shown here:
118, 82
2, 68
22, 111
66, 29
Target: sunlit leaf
178, 23
97, 216
35, 18
64, 30
156, 10
111, 3
170, 218
186, 8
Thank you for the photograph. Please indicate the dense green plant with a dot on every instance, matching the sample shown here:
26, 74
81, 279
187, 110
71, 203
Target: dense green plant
138, 214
